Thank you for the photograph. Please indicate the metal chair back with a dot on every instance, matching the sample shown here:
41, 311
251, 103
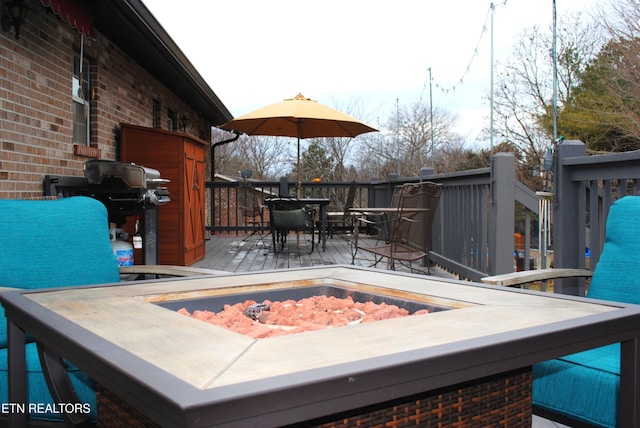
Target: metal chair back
250, 204
406, 226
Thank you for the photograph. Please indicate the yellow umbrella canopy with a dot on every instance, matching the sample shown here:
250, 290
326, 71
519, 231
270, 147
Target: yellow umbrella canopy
299, 117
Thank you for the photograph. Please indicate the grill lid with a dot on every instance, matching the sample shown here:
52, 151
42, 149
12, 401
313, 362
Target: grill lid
115, 181
135, 176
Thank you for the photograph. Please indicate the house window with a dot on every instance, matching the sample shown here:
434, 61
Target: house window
172, 118
81, 104
156, 114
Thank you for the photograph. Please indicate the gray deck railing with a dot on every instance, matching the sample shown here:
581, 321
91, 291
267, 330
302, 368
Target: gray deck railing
224, 213
473, 232
585, 188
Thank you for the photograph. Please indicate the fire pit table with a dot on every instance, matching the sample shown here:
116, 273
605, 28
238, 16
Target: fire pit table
475, 347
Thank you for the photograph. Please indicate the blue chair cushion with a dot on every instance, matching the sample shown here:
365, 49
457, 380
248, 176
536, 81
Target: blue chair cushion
582, 386
585, 386
54, 243
38, 393
615, 276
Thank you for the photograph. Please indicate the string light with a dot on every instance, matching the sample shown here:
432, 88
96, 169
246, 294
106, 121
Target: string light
460, 81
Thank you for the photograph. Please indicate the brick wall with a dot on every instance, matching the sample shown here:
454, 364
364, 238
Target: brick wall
36, 102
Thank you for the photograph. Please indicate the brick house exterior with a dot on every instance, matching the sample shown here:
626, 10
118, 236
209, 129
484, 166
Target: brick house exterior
136, 75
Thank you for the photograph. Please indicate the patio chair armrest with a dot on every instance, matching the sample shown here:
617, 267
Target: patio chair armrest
523, 277
168, 270
3, 289
365, 220
409, 219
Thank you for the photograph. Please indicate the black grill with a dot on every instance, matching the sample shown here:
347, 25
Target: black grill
126, 190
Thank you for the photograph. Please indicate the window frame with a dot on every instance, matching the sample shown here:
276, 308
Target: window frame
78, 101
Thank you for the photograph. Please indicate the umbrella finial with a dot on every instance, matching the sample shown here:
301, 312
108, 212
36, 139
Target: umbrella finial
301, 97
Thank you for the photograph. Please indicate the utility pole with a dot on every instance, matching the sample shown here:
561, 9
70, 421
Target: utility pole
493, 8
433, 153
397, 137
554, 54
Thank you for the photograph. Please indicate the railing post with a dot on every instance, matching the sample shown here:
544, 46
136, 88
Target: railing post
502, 213
426, 172
568, 223
284, 187
371, 193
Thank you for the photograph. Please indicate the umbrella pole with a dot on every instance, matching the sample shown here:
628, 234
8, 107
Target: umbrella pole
298, 188
299, 178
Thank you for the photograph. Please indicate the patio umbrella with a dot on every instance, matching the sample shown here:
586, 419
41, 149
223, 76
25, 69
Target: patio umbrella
299, 117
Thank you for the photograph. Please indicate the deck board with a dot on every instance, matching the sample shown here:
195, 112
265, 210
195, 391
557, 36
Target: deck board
241, 253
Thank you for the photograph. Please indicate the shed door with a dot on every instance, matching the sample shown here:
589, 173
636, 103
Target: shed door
194, 186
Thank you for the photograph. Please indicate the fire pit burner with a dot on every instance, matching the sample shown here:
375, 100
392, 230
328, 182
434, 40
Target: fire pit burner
217, 303
254, 311
273, 312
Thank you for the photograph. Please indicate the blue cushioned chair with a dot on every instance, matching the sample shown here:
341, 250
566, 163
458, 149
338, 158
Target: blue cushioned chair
57, 243
584, 387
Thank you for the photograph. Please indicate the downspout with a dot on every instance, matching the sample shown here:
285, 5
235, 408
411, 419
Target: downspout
213, 152
213, 172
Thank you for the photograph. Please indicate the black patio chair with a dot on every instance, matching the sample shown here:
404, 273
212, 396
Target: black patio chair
344, 218
287, 215
251, 208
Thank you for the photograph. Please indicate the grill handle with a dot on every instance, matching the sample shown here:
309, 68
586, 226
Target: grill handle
158, 180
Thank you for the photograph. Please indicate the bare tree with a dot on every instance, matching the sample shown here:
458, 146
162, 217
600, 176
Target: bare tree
603, 108
523, 94
371, 156
620, 62
340, 150
621, 18
405, 144
266, 157
420, 149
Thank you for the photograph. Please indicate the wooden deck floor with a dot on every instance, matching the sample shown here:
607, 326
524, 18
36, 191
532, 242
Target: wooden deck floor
240, 253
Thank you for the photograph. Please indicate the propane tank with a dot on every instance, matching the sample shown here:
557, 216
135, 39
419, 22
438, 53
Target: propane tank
121, 248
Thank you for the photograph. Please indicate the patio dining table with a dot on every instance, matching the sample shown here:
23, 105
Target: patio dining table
180, 371
386, 210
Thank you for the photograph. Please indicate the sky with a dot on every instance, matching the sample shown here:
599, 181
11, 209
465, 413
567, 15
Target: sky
372, 53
